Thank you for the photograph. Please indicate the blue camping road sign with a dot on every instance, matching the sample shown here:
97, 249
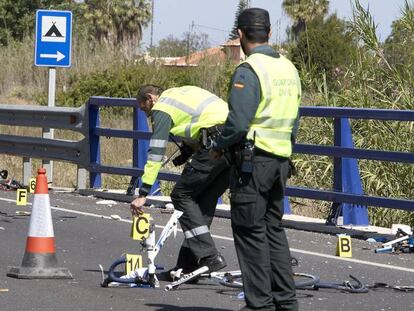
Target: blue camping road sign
53, 38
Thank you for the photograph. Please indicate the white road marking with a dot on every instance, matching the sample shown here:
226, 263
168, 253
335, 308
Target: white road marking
369, 263
295, 250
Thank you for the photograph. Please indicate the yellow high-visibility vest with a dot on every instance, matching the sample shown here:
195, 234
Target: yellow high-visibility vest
191, 108
272, 125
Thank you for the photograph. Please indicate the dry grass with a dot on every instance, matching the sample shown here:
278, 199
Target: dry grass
19, 78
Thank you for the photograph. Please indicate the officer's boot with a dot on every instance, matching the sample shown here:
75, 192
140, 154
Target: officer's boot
186, 261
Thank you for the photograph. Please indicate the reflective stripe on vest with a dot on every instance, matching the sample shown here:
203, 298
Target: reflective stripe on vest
277, 111
191, 108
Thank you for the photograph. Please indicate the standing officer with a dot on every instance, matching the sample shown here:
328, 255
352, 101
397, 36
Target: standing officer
195, 115
264, 99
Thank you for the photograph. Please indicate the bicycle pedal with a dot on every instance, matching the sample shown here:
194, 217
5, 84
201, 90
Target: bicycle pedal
175, 275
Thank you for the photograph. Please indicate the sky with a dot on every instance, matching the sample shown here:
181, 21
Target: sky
216, 17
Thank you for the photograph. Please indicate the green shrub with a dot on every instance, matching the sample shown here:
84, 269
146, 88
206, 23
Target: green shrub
123, 81
325, 47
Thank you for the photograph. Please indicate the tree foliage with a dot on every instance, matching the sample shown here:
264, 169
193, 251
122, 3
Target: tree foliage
169, 47
302, 12
115, 21
18, 17
391, 82
243, 4
123, 80
326, 47
174, 47
399, 46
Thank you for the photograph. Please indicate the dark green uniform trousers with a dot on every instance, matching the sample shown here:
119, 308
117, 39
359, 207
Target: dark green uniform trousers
261, 244
200, 185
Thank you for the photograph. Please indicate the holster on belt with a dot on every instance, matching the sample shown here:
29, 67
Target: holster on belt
244, 157
186, 151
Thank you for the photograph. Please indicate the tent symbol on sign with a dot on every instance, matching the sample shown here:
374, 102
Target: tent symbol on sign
53, 32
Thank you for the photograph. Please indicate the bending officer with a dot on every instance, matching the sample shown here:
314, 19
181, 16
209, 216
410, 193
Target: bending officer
196, 116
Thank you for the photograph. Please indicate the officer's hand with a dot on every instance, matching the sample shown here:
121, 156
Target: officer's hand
215, 154
136, 206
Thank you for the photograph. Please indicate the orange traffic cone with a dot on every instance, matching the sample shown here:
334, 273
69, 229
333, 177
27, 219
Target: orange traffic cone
39, 261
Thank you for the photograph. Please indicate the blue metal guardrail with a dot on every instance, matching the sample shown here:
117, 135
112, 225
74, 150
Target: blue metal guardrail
347, 195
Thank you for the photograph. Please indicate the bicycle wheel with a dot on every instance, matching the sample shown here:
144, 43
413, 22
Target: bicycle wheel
302, 280
346, 286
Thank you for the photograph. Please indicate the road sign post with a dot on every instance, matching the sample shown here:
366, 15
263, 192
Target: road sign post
52, 49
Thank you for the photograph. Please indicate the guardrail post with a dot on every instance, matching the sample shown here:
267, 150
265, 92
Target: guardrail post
286, 206
95, 180
81, 178
27, 170
351, 182
336, 208
347, 180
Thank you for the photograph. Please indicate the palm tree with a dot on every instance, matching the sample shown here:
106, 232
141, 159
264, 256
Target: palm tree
117, 22
303, 11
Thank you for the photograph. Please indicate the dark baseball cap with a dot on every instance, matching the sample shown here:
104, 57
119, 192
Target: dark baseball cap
254, 17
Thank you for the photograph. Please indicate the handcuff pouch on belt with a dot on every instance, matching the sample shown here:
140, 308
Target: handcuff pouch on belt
207, 136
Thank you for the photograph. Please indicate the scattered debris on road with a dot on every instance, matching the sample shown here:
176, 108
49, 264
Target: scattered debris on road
403, 243
23, 213
106, 202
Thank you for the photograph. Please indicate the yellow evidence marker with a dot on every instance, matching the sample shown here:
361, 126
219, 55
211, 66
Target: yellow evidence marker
344, 246
21, 198
32, 185
140, 227
133, 262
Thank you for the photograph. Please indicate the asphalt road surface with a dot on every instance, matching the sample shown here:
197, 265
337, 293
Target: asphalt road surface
86, 236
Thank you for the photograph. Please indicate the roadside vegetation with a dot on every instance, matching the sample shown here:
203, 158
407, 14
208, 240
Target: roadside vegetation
342, 63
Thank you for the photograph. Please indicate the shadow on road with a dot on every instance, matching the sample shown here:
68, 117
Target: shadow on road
302, 295
165, 307
95, 270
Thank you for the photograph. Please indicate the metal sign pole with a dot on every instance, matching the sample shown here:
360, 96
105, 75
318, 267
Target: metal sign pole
52, 49
49, 132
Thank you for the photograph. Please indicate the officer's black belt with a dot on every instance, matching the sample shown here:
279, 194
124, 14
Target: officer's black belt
260, 152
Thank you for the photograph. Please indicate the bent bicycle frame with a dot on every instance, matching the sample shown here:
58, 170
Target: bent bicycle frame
144, 277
